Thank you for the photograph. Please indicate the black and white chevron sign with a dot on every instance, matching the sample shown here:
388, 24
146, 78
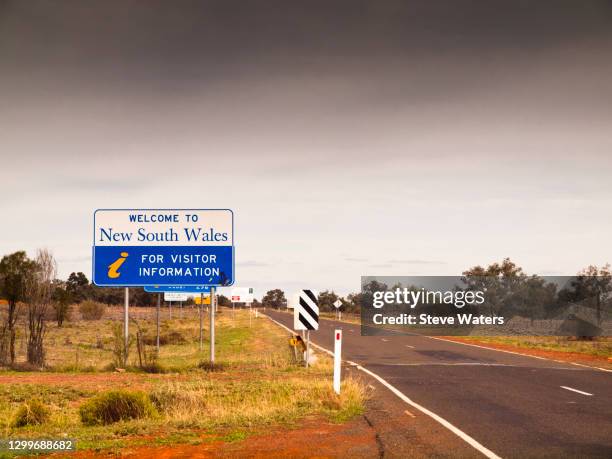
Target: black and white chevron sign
306, 312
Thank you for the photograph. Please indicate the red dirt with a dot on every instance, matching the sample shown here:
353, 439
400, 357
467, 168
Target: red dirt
314, 438
575, 357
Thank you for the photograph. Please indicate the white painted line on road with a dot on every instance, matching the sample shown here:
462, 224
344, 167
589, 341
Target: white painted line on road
465, 437
408, 345
516, 353
461, 434
576, 390
410, 414
588, 366
447, 364
385, 340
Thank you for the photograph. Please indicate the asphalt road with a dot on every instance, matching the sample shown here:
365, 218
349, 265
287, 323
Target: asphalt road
514, 405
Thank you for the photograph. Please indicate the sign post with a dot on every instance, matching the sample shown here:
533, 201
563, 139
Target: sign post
337, 359
306, 316
126, 324
213, 306
157, 320
337, 305
201, 332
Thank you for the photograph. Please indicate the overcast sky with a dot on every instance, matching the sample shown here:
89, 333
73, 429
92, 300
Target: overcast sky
350, 138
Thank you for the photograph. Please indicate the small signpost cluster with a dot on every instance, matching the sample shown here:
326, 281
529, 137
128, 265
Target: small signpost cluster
170, 251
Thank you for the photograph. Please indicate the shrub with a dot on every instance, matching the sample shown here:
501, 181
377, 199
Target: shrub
165, 337
92, 310
32, 412
117, 405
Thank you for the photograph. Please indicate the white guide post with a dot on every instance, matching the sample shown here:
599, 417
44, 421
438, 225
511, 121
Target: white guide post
337, 359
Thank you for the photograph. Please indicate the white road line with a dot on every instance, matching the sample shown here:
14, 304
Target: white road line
576, 390
408, 345
410, 414
465, 437
385, 340
516, 353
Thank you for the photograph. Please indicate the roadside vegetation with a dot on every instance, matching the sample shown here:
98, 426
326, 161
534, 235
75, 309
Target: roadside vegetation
83, 393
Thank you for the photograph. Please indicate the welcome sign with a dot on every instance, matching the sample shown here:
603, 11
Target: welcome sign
163, 247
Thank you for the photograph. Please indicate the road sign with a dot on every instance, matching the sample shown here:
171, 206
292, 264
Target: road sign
306, 312
163, 247
337, 303
177, 288
174, 296
197, 300
242, 295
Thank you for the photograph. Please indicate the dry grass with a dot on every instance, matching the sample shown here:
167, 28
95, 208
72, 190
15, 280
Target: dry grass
256, 382
204, 402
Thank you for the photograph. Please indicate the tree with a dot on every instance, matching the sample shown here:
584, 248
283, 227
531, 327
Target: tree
274, 299
78, 287
61, 301
498, 280
38, 294
14, 270
224, 301
592, 285
327, 300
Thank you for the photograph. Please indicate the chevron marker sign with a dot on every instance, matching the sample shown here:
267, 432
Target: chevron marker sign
306, 311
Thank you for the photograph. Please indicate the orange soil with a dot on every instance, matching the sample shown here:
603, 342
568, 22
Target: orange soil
314, 438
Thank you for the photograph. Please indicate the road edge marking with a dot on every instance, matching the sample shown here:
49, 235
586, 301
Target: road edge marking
576, 390
517, 353
461, 434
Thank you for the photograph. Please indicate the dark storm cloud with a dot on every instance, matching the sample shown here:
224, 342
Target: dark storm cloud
195, 42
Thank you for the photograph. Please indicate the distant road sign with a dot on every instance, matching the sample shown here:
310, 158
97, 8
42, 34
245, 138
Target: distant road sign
242, 295
306, 312
197, 300
177, 288
163, 247
173, 296
337, 303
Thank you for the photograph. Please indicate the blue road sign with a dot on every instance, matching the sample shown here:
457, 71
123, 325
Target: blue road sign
177, 288
163, 247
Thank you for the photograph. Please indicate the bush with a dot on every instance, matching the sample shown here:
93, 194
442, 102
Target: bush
92, 310
165, 338
32, 412
117, 405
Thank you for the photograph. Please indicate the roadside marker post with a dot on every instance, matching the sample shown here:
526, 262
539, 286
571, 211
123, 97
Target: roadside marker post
337, 360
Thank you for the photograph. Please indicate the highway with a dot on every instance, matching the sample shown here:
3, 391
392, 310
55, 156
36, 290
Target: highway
516, 406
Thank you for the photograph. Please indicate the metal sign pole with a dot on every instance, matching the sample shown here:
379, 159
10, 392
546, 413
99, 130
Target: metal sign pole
157, 320
212, 325
170, 309
126, 325
201, 319
307, 348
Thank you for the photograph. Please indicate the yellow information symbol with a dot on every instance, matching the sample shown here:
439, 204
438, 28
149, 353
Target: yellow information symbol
113, 268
